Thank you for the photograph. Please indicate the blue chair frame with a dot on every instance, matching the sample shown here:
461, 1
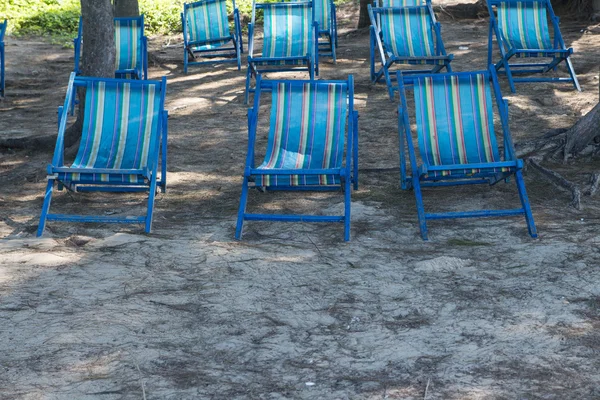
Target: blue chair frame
2, 57
224, 54
347, 173
140, 72
558, 54
427, 175
437, 62
328, 47
259, 65
150, 173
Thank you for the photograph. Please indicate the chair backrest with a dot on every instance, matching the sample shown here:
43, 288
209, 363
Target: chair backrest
307, 125
129, 34
287, 29
3, 29
402, 3
323, 14
206, 20
407, 31
454, 118
524, 24
121, 123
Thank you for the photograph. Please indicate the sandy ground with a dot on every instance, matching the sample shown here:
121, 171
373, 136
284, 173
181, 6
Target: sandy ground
481, 311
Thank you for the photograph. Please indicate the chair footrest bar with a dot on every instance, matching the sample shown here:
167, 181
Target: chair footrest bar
293, 218
335, 188
95, 218
475, 214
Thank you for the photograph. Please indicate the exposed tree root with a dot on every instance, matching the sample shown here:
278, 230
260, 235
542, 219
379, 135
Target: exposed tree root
559, 181
594, 184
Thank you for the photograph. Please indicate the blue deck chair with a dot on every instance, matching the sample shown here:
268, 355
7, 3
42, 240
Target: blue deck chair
406, 35
2, 32
124, 135
457, 144
312, 125
131, 57
521, 30
326, 18
290, 40
206, 33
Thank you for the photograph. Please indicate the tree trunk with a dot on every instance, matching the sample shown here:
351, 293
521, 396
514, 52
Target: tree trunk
583, 132
363, 17
98, 55
127, 8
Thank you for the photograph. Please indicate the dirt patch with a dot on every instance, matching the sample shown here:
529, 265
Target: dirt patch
481, 311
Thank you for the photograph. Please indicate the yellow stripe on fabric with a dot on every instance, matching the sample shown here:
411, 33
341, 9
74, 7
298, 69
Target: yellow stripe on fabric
392, 35
430, 107
457, 119
273, 33
206, 20
538, 28
148, 128
220, 19
124, 124
483, 115
409, 36
426, 27
520, 21
117, 45
134, 43
98, 124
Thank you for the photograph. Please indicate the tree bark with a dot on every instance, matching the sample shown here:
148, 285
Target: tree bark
582, 133
363, 17
127, 8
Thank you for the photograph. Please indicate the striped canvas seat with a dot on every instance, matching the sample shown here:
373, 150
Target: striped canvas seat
131, 52
290, 40
455, 122
2, 31
118, 127
525, 25
522, 30
406, 34
307, 129
402, 3
124, 133
287, 33
129, 33
313, 133
206, 33
207, 24
455, 135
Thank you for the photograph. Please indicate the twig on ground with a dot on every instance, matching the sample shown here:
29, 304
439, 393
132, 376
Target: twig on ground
559, 181
427, 388
137, 366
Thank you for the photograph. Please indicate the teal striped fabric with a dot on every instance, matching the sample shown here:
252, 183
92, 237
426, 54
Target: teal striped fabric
307, 127
524, 25
323, 14
207, 20
128, 43
402, 3
455, 120
407, 32
287, 30
120, 127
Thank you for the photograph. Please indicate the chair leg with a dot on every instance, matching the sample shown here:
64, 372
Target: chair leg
572, 73
248, 76
242, 209
347, 203
45, 207
332, 44
525, 203
388, 81
420, 208
509, 76
150, 212
372, 56
403, 185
